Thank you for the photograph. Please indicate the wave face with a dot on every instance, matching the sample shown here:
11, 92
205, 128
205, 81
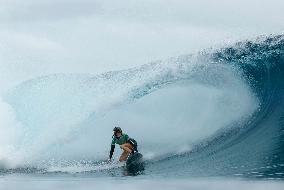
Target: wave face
253, 148
214, 113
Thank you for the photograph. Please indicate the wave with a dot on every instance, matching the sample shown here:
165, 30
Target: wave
217, 112
253, 148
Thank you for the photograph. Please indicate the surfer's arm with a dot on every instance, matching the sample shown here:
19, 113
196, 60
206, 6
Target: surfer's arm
111, 151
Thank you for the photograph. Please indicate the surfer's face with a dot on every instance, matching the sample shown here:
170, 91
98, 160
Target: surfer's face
118, 134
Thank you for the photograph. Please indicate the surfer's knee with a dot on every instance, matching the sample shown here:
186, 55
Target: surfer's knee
126, 147
123, 156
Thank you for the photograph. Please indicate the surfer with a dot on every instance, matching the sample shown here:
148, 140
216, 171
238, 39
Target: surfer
128, 145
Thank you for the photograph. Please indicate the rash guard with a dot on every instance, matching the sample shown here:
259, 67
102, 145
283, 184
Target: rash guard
121, 140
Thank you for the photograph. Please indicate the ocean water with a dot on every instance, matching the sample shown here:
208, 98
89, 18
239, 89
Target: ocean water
216, 114
203, 119
110, 183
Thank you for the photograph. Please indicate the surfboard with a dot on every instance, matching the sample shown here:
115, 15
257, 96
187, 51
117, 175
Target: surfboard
134, 163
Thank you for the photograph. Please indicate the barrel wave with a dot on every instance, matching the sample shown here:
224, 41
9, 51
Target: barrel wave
215, 113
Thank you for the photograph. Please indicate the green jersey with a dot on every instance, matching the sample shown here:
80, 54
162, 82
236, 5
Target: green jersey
121, 140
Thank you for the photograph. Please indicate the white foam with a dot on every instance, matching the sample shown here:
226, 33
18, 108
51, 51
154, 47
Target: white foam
10, 129
71, 117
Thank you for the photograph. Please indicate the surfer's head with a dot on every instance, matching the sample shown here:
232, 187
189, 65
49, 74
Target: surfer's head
117, 131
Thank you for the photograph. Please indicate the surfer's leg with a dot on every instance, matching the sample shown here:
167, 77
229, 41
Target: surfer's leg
127, 149
123, 156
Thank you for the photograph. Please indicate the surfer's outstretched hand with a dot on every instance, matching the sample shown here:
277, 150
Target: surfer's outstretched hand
109, 160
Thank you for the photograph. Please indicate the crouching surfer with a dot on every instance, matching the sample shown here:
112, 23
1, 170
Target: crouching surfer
128, 145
